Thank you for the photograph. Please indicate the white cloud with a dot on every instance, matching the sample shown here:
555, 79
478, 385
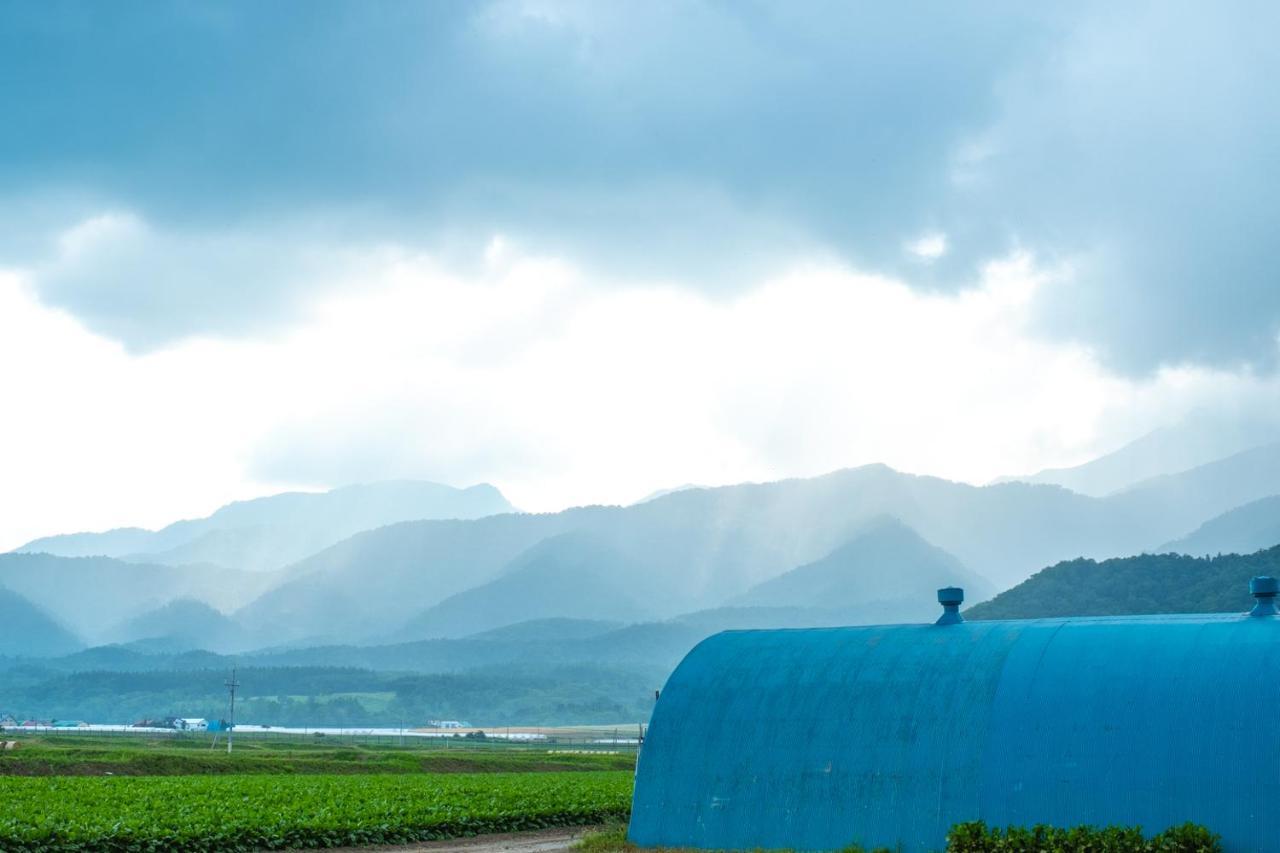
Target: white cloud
558, 388
92, 437
928, 247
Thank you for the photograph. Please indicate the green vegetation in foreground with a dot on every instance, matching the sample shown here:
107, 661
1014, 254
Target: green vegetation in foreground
977, 837
205, 813
613, 839
88, 755
1150, 583
608, 839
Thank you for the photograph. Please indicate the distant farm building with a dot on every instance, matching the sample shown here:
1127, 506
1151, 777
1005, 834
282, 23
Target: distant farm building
448, 724
817, 739
191, 724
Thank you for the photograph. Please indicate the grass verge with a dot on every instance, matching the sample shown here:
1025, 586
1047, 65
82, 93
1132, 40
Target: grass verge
607, 839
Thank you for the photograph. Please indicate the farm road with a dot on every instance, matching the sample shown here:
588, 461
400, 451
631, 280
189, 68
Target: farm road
543, 841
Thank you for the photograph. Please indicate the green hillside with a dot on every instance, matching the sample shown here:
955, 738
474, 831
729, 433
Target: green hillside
1150, 583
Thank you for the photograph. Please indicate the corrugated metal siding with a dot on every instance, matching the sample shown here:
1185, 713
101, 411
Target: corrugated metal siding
816, 739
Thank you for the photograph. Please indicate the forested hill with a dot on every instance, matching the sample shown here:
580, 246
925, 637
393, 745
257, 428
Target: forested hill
1150, 583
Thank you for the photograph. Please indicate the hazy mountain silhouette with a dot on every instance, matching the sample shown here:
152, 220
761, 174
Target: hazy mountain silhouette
1199, 439
671, 491
94, 595
550, 629
375, 581
1190, 498
698, 549
271, 532
570, 575
30, 631
181, 624
1242, 530
885, 564
118, 542
257, 548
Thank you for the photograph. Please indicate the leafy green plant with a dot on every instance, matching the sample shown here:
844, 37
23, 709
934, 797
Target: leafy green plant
977, 837
221, 813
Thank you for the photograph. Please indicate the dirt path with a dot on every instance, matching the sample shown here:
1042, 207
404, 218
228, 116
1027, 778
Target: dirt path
542, 841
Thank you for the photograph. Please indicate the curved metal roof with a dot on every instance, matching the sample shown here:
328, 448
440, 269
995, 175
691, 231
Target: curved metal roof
816, 739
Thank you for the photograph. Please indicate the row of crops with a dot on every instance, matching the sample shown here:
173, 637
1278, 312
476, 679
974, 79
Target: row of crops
217, 813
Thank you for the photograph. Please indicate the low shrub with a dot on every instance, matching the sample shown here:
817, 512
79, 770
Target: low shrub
977, 837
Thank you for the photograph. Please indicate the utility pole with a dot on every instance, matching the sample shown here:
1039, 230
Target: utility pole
231, 722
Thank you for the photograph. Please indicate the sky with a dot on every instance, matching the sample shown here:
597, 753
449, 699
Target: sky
586, 251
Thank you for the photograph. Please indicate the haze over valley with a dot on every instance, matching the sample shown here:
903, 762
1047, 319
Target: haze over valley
416, 577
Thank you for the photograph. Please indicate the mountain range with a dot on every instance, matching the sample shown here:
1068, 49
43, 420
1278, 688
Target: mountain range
417, 577
1201, 437
272, 532
868, 539
704, 548
92, 595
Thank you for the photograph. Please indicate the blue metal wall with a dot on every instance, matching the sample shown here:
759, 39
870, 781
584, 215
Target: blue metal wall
816, 739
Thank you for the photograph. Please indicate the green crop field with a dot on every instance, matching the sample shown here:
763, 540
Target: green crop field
225, 813
90, 755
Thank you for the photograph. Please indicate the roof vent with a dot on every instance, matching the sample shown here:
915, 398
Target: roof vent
951, 597
1264, 590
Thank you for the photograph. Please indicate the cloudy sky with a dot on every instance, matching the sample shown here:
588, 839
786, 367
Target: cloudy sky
588, 250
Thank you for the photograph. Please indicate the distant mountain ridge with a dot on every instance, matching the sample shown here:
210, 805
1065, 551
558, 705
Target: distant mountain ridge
181, 624
888, 564
29, 631
569, 575
94, 595
699, 548
757, 552
1243, 530
1145, 584
1190, 498
1200, 439
271, 532
612, 595
553, 628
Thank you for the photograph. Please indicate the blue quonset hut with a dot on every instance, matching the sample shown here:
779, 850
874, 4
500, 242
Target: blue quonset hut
817, 739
